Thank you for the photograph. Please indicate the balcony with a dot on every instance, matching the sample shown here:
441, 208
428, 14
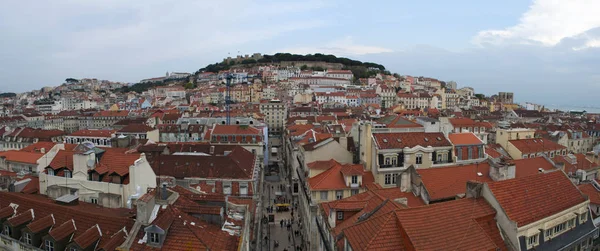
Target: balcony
354, 185
391, 166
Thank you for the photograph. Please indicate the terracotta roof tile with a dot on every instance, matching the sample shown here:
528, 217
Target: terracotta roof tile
447, 182
21, 157
531, 166
450, 225
37, 147
467, 138
333, 179
21, 218
41, 224
531, 198
574, 162
409, 139
62, 159
64, 230
235, 130
89, 237
85, 215
6, 212
135, 128
528, 146
591, 191
378, 233
322, 164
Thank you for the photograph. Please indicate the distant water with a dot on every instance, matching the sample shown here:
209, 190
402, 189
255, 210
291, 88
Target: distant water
588, 109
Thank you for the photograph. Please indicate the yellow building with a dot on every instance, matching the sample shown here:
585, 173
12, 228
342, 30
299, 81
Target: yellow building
504, 135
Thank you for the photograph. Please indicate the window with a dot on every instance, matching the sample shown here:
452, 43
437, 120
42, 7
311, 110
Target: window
6, 230
354, 191
49, 245
50, 172
94, 200
548, 232
532, 241
68, 174
354, 179
154, 238
243, 188
583, 218
340, 215
72, 249
339, 195
387, 161
560, 227
419, 159
28, 238
227, 188
393, 179
571, 223
324, 195
388, 179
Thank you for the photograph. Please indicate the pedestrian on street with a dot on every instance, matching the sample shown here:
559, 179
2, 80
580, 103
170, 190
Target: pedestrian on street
281, 223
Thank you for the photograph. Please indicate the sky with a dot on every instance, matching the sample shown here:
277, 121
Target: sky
545, 51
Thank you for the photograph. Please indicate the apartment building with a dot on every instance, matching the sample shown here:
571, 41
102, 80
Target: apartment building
276, 113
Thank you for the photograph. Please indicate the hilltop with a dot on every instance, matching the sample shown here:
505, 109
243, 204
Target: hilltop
358, 68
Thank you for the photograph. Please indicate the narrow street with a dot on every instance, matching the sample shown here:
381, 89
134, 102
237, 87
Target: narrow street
278, 208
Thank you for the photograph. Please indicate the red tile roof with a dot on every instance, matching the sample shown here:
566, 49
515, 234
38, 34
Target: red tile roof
592, 193
64, 230
466, 122
322, 164
111, 114
89, 237
447, 182
62, 159
41, 224
467, 138
333, 178
21, 218
37, 147
93, 133
136, 128
450, 225
21, 157
409, 139
531, 166
532, 198
377, 233
528, 146
574, 162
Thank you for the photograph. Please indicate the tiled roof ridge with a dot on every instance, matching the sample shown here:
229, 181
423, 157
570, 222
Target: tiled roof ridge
472, 220
324, 175
386, 221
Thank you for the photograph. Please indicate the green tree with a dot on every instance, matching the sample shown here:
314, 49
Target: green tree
303, 68
189, 85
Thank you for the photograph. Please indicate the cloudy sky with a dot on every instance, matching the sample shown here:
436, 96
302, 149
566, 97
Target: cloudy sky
546, 51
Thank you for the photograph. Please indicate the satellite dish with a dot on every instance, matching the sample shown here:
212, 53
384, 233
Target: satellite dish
90, 163
88, 144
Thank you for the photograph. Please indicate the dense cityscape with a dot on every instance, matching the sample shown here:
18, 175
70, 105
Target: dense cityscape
291, 152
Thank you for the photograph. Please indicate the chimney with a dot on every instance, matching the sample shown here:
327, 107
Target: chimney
473, 189
43, 150
163, 192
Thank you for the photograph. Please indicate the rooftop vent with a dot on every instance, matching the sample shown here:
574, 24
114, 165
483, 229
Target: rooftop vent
399, 140
385, 141
479, 174
426, 140
540, 170
439, 139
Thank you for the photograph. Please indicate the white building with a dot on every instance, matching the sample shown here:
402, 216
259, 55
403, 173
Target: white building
345, 74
